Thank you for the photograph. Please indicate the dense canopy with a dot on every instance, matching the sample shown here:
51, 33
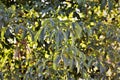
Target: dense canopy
60, 39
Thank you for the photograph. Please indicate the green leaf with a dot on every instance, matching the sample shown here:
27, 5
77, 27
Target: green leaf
77, 61
81, 1
17, 29
83, 56
32, 35
67, 33
71, 63
90, 61
77, 30
1, 75
102, 68
52, 35
1, 24
24, 34
110, 5
103, 4
42, 35
52, 22
58, 37
65, 60
56, 61
2, 34
1, 17
37, 35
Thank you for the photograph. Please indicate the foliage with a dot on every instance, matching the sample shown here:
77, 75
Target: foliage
59, 39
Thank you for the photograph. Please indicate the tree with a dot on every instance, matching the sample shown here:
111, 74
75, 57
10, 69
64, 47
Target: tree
59, 39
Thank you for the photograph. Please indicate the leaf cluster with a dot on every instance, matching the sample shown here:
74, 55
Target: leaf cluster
59, 39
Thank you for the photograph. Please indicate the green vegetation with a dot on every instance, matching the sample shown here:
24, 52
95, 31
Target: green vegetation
59, 39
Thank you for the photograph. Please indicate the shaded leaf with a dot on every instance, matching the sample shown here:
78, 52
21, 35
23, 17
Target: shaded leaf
81, 1
56, 61
103, 4
17, 29
58, 37
65, 60
42, 35
24, 33
110, 5
77, 61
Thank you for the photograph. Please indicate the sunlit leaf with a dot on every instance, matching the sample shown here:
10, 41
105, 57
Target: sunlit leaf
32, 35
3, 33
